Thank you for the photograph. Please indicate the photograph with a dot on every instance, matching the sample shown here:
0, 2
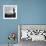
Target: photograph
29, 34
9, 11
33, 32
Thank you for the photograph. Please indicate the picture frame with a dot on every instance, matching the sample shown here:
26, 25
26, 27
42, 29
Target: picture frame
36, 32
9, 11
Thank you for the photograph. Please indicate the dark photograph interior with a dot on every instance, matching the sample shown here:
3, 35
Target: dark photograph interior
10, 13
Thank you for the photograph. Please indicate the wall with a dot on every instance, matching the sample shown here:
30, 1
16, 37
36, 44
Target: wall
34, 12
7, 26
29, 12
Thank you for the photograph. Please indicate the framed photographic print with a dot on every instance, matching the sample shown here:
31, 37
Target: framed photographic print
33, 32
9, 11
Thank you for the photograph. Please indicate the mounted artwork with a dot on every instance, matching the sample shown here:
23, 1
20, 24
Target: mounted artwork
9, 11
33, 32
